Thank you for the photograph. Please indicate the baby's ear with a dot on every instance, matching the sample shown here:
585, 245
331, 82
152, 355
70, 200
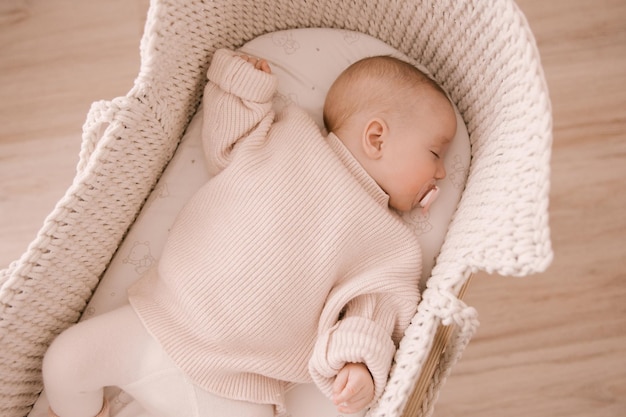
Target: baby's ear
373, 138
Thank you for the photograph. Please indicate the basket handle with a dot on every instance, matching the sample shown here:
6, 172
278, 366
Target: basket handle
101, 115
452, 311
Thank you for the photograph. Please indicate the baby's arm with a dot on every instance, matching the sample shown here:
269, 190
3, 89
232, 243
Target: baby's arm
237, 104
352, 359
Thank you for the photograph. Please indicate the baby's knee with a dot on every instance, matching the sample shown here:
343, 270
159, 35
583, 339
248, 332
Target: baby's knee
64, 359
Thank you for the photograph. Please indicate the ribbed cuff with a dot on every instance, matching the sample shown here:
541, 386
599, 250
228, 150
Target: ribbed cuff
238, 77
352, 340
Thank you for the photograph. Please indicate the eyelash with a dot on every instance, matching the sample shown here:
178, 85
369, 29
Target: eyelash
436, 154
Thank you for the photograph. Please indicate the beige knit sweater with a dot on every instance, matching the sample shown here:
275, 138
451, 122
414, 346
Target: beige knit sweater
287, 264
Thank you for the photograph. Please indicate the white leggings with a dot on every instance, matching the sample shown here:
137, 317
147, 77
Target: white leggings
114, 349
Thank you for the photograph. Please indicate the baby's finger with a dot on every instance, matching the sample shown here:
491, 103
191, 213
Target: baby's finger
349, 395
353, 405
340, 383
263, 66
353, 399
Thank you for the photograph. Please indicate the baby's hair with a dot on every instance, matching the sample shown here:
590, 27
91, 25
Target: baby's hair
381, 81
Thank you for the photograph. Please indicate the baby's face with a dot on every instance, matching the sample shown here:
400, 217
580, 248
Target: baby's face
414, 155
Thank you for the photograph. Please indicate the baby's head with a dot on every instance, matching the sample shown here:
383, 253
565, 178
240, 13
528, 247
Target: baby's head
397, 123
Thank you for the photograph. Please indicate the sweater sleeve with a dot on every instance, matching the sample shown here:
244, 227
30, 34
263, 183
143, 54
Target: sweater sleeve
368, 333
237, 104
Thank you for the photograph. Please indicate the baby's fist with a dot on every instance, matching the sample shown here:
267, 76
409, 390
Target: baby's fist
353, 388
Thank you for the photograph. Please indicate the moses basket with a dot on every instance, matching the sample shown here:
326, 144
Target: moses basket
482, 52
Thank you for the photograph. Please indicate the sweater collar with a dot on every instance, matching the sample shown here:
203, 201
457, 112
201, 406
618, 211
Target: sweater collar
357, 170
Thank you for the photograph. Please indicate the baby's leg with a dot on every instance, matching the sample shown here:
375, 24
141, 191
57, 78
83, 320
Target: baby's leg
170, 393
102, 351
114, 349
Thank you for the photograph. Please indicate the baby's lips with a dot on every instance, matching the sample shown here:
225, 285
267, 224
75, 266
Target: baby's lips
428, 199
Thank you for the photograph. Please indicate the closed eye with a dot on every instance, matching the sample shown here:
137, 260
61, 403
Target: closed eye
435, 153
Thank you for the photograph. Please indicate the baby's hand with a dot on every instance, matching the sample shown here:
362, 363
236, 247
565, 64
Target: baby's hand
353, 388
258, 63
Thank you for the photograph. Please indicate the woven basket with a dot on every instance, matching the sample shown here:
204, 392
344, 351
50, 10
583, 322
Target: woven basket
481, 51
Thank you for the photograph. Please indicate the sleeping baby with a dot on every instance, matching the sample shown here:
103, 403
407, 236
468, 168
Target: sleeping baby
290, 265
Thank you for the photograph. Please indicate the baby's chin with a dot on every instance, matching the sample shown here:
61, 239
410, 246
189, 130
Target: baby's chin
403, 206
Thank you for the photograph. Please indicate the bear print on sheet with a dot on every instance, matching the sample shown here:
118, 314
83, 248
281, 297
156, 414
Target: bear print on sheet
418, 221
351, 37
140, 256
160, 191
459, 172
286, 41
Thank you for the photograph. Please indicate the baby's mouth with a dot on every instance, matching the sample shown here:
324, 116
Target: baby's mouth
428, 196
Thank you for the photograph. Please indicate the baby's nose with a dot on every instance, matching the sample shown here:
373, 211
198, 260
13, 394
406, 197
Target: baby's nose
441, 172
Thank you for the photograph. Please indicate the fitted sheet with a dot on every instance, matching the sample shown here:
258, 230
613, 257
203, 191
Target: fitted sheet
306, 62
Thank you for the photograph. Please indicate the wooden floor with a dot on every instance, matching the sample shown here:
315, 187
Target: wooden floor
549, 345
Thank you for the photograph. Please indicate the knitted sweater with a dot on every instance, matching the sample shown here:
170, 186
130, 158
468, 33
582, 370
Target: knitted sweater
284, 266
